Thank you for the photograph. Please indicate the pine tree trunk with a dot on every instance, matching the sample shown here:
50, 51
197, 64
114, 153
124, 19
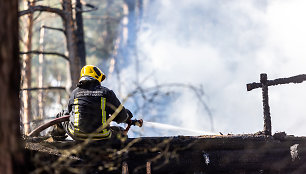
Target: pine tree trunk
11, 160
41, 74
26, 71
109, 40
74, 59
80, 33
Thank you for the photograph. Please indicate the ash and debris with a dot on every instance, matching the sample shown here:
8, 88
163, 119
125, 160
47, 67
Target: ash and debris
44, 145
47, 145
216, 153
294, 152
206, 158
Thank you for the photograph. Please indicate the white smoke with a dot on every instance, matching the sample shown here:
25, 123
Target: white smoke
224, 45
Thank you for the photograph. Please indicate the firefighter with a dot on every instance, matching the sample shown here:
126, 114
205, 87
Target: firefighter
90, 105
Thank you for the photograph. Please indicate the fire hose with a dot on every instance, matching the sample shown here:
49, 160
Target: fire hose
44, 126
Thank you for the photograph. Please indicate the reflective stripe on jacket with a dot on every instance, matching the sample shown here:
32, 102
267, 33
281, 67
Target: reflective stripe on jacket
90, 106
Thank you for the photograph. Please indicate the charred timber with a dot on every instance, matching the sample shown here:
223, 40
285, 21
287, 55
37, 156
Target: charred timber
266, 107
279, 81
211, 154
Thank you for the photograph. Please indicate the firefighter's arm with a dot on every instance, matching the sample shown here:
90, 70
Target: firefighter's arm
113, 103
71, 101
130, 116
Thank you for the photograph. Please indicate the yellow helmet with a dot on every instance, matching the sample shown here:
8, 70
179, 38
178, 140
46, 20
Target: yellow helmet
93, 71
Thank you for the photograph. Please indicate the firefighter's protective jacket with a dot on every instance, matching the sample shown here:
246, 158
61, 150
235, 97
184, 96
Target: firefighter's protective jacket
90, 105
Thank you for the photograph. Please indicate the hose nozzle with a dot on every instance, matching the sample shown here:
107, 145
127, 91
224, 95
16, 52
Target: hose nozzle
138, 123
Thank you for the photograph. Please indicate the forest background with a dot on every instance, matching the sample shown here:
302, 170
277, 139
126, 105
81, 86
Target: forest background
183, 63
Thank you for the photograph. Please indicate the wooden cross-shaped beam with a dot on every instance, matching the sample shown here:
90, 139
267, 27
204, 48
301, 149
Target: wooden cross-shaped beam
264, 83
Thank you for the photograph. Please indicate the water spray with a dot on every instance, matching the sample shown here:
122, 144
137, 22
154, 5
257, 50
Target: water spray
172, 127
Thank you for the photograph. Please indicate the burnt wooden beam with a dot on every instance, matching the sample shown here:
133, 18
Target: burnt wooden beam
264, 84
214, 154
266, 107
294, 79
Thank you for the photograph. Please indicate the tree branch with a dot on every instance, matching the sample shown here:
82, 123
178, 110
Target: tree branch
46, 53
44, 88
198, 91
92, 8
53, 28
33, 9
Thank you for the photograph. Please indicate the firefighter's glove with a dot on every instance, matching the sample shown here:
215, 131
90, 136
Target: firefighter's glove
58, 133
62, 113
